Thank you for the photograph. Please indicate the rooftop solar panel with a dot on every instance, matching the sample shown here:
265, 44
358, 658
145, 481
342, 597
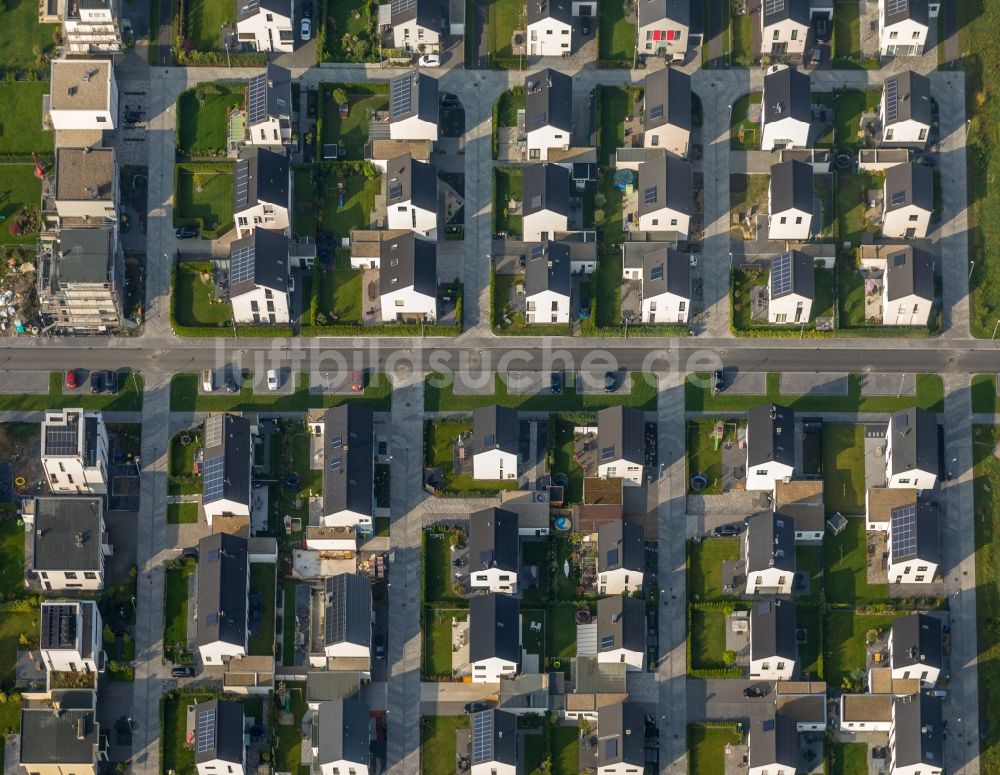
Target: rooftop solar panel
656, 273
891, 95
213, 430
257, 99
337, 441
206, 730
607, 453
402, 6
214, 478
898, 198
903, 529
773, 6
62, 440
607, 641
896, 6
482, 736
241, 184
242, 263
781, 274
656, 111
400, 96
395, 192
649, 195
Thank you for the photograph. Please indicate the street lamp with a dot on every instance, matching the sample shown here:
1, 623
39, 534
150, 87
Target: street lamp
972, 266
995, 330
225, 42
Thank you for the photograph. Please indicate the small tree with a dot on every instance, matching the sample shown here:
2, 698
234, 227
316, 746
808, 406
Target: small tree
340, 96
728, 657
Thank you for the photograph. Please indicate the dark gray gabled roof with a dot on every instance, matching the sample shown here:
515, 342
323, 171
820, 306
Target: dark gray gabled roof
494, 737
906, 10
258, 260
347, 610
621, 735
620, 435
914, 441
493, 540
909, 184
66, 737
260, 176
776, 11
793, 273
907, 98
341, 732
620, 545
915, 533
771, 543
427, 13
546, 187
770, 435
621, 624
909, 271
654, 11
67, 534
222, 589
774, 740
269, 95
772, 630
493, 628
86, 255
413, 94
227, 459
548, 268
409, 180
916, 640
548, 100
348, 460
218, 732
787, 93
541, 10
667, 99
666, 271
494, 427
406, 261
917, 724
246, 9
791, 187
666, 182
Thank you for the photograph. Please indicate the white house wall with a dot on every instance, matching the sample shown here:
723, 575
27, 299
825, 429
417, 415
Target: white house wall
665, 219
243, 311
549, 307
787, 132
541, 140
549, 38
665, 308
494, 464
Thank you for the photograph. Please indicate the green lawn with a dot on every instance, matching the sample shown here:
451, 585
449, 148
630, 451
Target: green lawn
288, 753
207, 200
437, 640
565, 750
536, 553
180, 463
504, 17
437, 742
439, 396
194, 297
338, 292
305, 218
846, 567
350, 39
741, 29
809, 619
12, 626
844, 468
708, 639
566, 586
350, 132
748, 190
707, 748
984, 394
359, 201
508, 182
563, 461
847, 758
202, 113
182, 513
986, 469
738, 121
846, 30
809, 562
613, 109
851, 196
262, 580
24, 42
533, 641
22, 100
562, 634
705, 567
437, 568
698, 397
175, 607
534, 754
11, 566
849, 105
184, 396
616, 35
845, 642
205, 19
438, 438
508, 104
178, 756
19, 188
127, 399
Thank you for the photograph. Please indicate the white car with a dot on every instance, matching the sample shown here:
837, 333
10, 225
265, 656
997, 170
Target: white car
430, 60
305, 29
272, 379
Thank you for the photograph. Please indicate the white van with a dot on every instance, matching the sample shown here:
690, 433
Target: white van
206, 380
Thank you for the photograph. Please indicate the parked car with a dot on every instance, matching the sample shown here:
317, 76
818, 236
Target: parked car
556, 382
610, 382
305, 29
430, 60
718, 381
357, 381
379, 642
182, 671
186, 232
190, 551
96, 381
71, 381
231, 386
476, 707
111, 381
724, 531
817, 56
760, 690
272, 379
585, 26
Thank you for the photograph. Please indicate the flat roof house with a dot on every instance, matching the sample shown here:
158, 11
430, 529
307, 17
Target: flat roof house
548, 111
791, 288
915, 735
69, 542
348, 443
223, 587
261, 186
494, 743
63, 738
773, 745
907, 201
880, 502
266, 25
770, 446
911, 455
907, 287
621, 738
218, 738
411, 192
341, 737
790, 201
773, 650
258, 278
227, 460
494, 443
545, 201
494, 637
786, 112
413, 107
914, 543
621, 558
621, 631
802, 501
408, 279
70, 636
770, 554
74, 447
493, 550
666, 114
666, 195
665, 274
83, 94
547, 283
664, 28
86, 187
416, 25
916, 649
784, 27
903, 26
90, 26
621, 439
905, 110
550, 28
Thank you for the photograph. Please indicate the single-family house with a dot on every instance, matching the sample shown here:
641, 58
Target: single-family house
621, 738
69, 542
791, 287
86, 187
663, 28
880, 502
218, 738
494, 743
269, 107
903, 26
790, 201
666, 195
665, 274
411, 196
261, 186
416, 25
74, 447
548, 111
83, 94
414, 107
62, 736
621, 558
345, 611
223, 589
784, 27
914, 543
265, 25
773, 650
494, 443
340, 737
773, 744
916, 737
227, 460
905, 111
786, 112
916, 648
621, 439
494, 637
258, 278
911, 455
348, 439
547, 283
493, 550
90, 26
621, 631
381, 151
408, 279
907, 201
802, 501
545, 202
550, 28
70, 636
770, 446
770, 554
907, 287
666, 110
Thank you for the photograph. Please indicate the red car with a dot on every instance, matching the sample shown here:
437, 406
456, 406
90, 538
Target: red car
71, 382
357, 382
